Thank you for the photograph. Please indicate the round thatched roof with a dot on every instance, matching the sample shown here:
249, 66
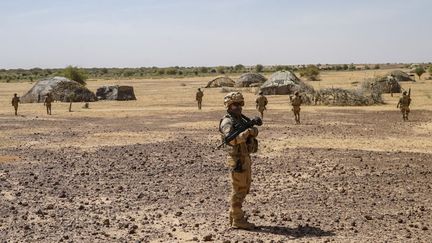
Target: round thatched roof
61, 88
250, 79
388, 85
280, 83
400, 76
220, 82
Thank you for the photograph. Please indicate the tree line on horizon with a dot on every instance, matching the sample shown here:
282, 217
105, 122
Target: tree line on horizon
311, 72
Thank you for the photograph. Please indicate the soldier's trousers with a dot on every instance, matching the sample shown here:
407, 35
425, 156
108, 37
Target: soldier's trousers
16, 109
241, 182
405, 111
48, 107
199, 104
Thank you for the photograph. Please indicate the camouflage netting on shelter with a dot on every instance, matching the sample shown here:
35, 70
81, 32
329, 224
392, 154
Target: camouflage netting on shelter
281, 83
115, 92
250, 80
387, 85
61, 89
220, 82
72, 91
344, 97
400, 76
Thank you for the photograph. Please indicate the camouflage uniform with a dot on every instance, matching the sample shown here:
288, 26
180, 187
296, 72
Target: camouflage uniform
261, 103
296, 103
391, 80
198, 97
403, 104
48, 100
239, 161
15, 101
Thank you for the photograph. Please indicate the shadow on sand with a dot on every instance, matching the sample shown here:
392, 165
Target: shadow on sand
299, 232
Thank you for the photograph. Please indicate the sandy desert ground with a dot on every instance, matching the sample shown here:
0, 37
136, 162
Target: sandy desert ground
148, 170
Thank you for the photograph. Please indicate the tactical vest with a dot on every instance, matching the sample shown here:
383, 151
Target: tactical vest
242, 149
405, 101
296, 101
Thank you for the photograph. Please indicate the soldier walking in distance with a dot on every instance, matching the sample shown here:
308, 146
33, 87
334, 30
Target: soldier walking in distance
296, 103
403, 104
47, 103
199, 97
15, 101
261, 103
239, 159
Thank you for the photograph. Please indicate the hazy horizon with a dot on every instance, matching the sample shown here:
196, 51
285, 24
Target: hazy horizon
132, 33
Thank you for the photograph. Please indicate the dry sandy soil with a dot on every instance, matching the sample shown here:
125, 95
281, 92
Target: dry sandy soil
148, 170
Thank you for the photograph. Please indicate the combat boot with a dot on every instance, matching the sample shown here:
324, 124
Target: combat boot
242, 223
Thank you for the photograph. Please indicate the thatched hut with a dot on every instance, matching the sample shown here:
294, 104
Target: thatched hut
281, 83
220, 82
250, 80
400, 76
61, 88
115, 92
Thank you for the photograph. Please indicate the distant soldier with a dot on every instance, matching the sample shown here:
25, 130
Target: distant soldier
296, 103
261, 103
391, 85
403, 104
47, 103
15, 101
199, 97
239, 159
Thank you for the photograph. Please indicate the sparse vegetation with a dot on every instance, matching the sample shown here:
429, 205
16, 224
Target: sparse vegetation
259, 68
419, 71
34, 74
75, 74
311, 72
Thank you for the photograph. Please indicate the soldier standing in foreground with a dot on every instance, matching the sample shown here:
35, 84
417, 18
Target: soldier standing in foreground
261, 103
403, 104
296, 103
47, 103
198, 98
15, 101
239, 161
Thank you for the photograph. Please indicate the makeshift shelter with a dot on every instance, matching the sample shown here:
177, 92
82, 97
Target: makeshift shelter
61, 88
250, 80
220, 82
115, 92
281, 83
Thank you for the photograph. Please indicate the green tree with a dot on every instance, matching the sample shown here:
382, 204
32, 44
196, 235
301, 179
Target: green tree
239, 68
419, 71
220, 69
259, 68
75, 74
203, 70
377, 66
171, 71
430, 70
311, 72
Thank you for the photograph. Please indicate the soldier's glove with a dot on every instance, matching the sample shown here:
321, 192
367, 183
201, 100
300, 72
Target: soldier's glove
257, 121
243, 136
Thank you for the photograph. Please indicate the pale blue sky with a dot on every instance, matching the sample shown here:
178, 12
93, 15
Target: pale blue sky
132, 33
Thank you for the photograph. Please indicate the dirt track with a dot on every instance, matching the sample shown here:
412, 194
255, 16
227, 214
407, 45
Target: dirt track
169, 183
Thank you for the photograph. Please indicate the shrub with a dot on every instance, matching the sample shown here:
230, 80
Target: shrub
419, 71
75, 74
259, 68
311, 72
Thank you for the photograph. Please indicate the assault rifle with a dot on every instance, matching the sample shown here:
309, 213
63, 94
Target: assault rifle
256, 121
